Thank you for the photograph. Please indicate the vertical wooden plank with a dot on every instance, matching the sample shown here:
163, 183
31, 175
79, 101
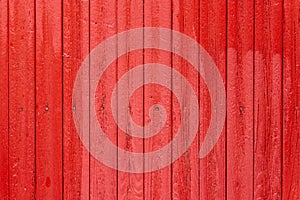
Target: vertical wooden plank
185, 171
240, 74
49, 99
157, 184
22, 99
75, 49
103, 24
268, 99
213, 39
291, 101
130, 15
4, 171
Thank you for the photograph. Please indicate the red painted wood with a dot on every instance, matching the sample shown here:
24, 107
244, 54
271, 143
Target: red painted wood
49, 100
75, 49
157, 185
240, 74
213, 39
291, 101
4, 143
21, 99
42, 45
103, 180
268, 99
129, 16
185, 171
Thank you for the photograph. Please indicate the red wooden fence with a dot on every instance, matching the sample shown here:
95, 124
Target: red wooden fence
255, 46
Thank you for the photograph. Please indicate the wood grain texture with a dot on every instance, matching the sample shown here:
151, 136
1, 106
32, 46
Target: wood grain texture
255, 45
291, 101
268, 99
49, 100
103, 24
240, 94
4, 112
157, 185
21, 99
129, 16
75, 49
185, 171
213, 39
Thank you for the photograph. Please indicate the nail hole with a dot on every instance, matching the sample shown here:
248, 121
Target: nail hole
241, 110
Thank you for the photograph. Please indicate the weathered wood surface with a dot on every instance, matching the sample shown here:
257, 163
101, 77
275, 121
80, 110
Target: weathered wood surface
255, 45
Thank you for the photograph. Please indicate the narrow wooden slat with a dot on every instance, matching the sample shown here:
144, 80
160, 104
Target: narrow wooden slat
268, 99
103, 24
4, 143
291, 121
240, 74
185, 171
157, 184
213, 39
75, 49
21, 99
49, 99
129, 16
